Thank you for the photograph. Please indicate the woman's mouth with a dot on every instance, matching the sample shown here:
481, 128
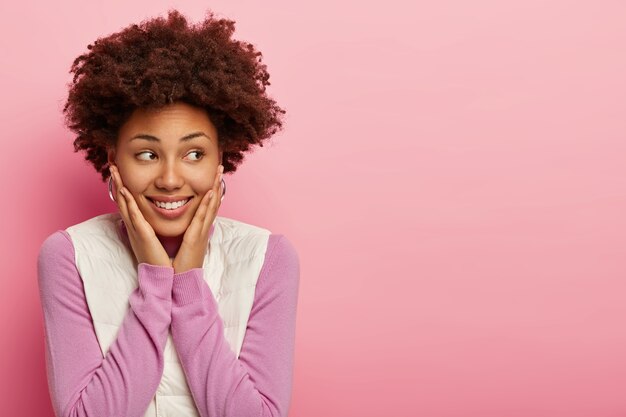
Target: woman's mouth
172, 209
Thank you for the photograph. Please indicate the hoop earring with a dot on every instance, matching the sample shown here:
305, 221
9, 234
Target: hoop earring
223, 189
111, 190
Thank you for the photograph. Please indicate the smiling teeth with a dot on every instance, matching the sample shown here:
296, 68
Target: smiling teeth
170, 206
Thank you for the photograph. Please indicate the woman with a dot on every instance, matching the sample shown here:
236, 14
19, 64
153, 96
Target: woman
164, 308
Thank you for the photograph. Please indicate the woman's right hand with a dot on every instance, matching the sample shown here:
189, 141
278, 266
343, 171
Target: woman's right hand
146, 246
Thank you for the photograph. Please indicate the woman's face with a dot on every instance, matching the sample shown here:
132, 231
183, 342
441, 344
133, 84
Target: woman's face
166, 153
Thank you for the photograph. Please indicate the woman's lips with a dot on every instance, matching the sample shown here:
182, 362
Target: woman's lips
170, 214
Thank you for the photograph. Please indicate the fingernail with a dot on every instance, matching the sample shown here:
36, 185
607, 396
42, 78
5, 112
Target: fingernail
211, 194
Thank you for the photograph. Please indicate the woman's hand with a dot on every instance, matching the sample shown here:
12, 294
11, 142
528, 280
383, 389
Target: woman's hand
196, 239
146, 246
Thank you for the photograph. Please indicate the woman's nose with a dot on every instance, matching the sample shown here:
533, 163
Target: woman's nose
169, 177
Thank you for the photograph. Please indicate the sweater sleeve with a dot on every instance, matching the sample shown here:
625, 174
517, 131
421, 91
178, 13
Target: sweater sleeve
81, 382
258, 383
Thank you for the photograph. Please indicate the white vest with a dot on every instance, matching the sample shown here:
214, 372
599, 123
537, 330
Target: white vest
106, 264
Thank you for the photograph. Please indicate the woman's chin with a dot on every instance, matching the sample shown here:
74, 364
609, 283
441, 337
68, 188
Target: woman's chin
169, 230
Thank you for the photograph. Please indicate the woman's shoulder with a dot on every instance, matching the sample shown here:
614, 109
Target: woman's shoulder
237, 229
280, 248
61, 240
96, 224
55, 262
280, 275
57, 243
282, 262
278, 244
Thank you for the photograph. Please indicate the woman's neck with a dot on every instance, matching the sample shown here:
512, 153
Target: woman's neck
171, 244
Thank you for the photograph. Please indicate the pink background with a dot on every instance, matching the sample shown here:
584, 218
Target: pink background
452, 174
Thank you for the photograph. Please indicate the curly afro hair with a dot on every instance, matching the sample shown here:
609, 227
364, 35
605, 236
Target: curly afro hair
163, 60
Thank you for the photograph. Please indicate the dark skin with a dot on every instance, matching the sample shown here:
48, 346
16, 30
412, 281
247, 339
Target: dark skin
170, 152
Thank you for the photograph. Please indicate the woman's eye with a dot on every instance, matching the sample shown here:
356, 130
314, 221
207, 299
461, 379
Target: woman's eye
139, 155
199, 155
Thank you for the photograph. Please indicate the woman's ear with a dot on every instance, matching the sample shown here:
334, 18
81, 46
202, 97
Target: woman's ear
111, 156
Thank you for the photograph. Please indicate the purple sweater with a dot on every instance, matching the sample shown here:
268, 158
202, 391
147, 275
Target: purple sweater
83, 383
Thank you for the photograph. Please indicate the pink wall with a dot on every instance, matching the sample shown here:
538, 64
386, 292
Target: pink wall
452, 174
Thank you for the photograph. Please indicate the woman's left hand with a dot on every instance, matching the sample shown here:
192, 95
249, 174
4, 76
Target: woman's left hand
196, 239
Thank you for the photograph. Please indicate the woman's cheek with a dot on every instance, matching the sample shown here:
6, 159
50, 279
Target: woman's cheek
203, 187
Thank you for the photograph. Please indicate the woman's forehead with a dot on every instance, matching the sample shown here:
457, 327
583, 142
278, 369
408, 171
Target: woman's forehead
176, 121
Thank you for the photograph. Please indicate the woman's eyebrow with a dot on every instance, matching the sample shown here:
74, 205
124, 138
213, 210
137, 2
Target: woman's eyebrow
183, 139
